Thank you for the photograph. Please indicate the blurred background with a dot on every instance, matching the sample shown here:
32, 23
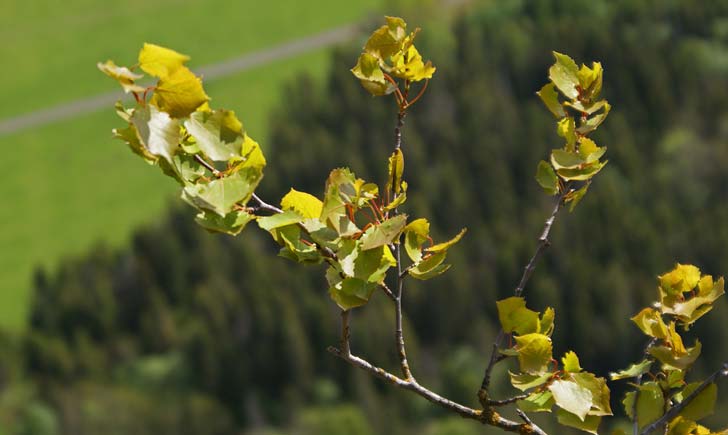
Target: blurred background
118, 315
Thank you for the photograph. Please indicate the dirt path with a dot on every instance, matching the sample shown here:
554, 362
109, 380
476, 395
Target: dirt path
214, 71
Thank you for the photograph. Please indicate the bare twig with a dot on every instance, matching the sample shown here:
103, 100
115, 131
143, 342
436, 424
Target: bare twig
345, 349
265, 206
675, 410
487, 416
387, 291
525, 418
507, 401
543, 243
207, 165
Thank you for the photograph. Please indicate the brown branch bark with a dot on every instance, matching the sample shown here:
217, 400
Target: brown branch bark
675, 410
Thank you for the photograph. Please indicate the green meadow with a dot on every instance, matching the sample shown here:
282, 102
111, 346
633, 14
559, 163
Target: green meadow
68, 185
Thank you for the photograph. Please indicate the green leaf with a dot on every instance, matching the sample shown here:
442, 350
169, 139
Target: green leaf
562, 159
690, 310
588, 108
571, 362
550, 98
534, 352
583, 173
595, 121
589, 151
589, 424
122, 75
370, 75
650, 404
219, 134
339, 192
279, 220
514, 316
395, 170
232, 223
538, 401
430, 267
351, 293
179, 94
157, 131
632, 371
526, 381
678, 362
444, 246
372, 265
383, 234
546, 177
598, 389
546, 324
305, 204
222, 194
572, 397
160, 61
704, 403
576, 197
564, 74
415, 234
566, 128
131, 137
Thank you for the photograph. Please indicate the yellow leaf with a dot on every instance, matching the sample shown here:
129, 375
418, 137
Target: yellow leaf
160, 61
180, 93
121, 74
303, 203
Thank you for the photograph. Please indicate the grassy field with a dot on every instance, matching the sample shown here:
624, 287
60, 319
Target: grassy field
68, 185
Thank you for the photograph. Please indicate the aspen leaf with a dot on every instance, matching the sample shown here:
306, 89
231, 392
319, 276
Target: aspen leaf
305, 204
430, 267
221, 194
131, 137
550, 98
650, 322
571, 362
160, 61
279, 220
589, 151
370, 75
572, 397
351, 293
562, 159
595, 121
232, 223
538, 401
372, 265
383, 234
587, 108
588, 424
546, 323
121, 74
534, 352
632, 371
670, 360
582, 173
683, 278
566, 128
650, 404
526, 381
690, 310
563, 74
514, 316
576, 197
395, 169
179, 93
218, 134
408, 65
598, 389
702, 405
388, 39
156, 131
416, 233
546, 178
444, 246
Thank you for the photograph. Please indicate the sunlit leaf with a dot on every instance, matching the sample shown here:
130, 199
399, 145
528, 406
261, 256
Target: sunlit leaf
444, 246
571, 362
395, 170
526, 381
305, 204
370, 75
160, 61
598, 389
564, 74
179, 93
702, 405
575, 197
232, 223
219, 134
430, 267
632, 371
538, 401
534, 352
351, 293
649, 320
566, 128
550, 98
157, 131
514, 316
383, 234
546, 177
683, 278
572, 397
669, 360
594, 121
416, 233
122, 75
589, 424
221, 194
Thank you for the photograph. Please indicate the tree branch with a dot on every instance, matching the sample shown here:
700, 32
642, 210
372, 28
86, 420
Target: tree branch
488, 416
675, 410
387, 291
543, 243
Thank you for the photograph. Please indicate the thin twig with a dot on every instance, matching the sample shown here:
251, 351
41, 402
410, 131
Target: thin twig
387, 291
209, 167
345, 348
525, 418
675, 410
508, 401
543, 243
265, 206
488, 416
